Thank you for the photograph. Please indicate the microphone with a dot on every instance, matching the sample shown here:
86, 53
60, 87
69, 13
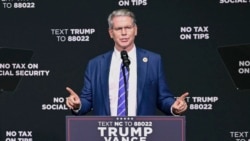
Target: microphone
125, 60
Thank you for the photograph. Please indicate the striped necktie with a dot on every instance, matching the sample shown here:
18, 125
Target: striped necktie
122, 92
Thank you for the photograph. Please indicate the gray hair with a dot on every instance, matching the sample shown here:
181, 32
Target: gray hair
120, 12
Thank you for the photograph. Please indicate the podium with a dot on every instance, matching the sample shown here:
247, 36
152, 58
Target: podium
139, 128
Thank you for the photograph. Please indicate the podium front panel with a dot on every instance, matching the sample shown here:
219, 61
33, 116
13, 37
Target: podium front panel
148, 128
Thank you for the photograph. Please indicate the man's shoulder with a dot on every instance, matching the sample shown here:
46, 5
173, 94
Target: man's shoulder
147, 52
102, 56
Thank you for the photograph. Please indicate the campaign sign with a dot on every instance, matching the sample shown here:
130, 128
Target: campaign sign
237, 61
141, 128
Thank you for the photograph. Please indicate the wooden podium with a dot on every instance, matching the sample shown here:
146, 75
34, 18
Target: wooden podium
141, 128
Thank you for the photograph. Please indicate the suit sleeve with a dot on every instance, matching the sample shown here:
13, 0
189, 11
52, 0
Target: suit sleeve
86, 92
165, 97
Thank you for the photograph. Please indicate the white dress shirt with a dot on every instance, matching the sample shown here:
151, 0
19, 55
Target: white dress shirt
114, 75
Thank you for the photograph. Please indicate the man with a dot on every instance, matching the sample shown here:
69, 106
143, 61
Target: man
147, 87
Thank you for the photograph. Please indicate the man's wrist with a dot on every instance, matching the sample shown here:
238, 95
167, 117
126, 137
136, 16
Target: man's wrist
172, 112
76, 110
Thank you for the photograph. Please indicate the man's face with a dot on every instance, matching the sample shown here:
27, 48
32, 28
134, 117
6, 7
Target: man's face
123, 32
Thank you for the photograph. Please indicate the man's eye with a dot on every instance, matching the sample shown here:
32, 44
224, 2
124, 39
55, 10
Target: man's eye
119, 28
128, 27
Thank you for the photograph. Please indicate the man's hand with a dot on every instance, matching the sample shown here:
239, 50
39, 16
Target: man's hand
73, 101
180, 104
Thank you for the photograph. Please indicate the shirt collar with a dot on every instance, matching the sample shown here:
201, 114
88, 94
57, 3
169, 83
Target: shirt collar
131, 53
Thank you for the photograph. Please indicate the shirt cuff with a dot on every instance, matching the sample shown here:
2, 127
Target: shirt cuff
171, 110
77, 110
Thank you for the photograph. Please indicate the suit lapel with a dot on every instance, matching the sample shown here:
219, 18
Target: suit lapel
104, 67
142, 64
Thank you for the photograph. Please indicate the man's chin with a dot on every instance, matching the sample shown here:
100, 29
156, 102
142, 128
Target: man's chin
125, 47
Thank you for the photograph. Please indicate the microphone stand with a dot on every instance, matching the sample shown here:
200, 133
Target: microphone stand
126, 86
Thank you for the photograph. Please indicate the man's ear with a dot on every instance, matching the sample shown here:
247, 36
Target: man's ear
136, 30
110, 33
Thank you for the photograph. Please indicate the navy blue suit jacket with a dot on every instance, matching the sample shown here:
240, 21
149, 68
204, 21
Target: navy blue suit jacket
152, 89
